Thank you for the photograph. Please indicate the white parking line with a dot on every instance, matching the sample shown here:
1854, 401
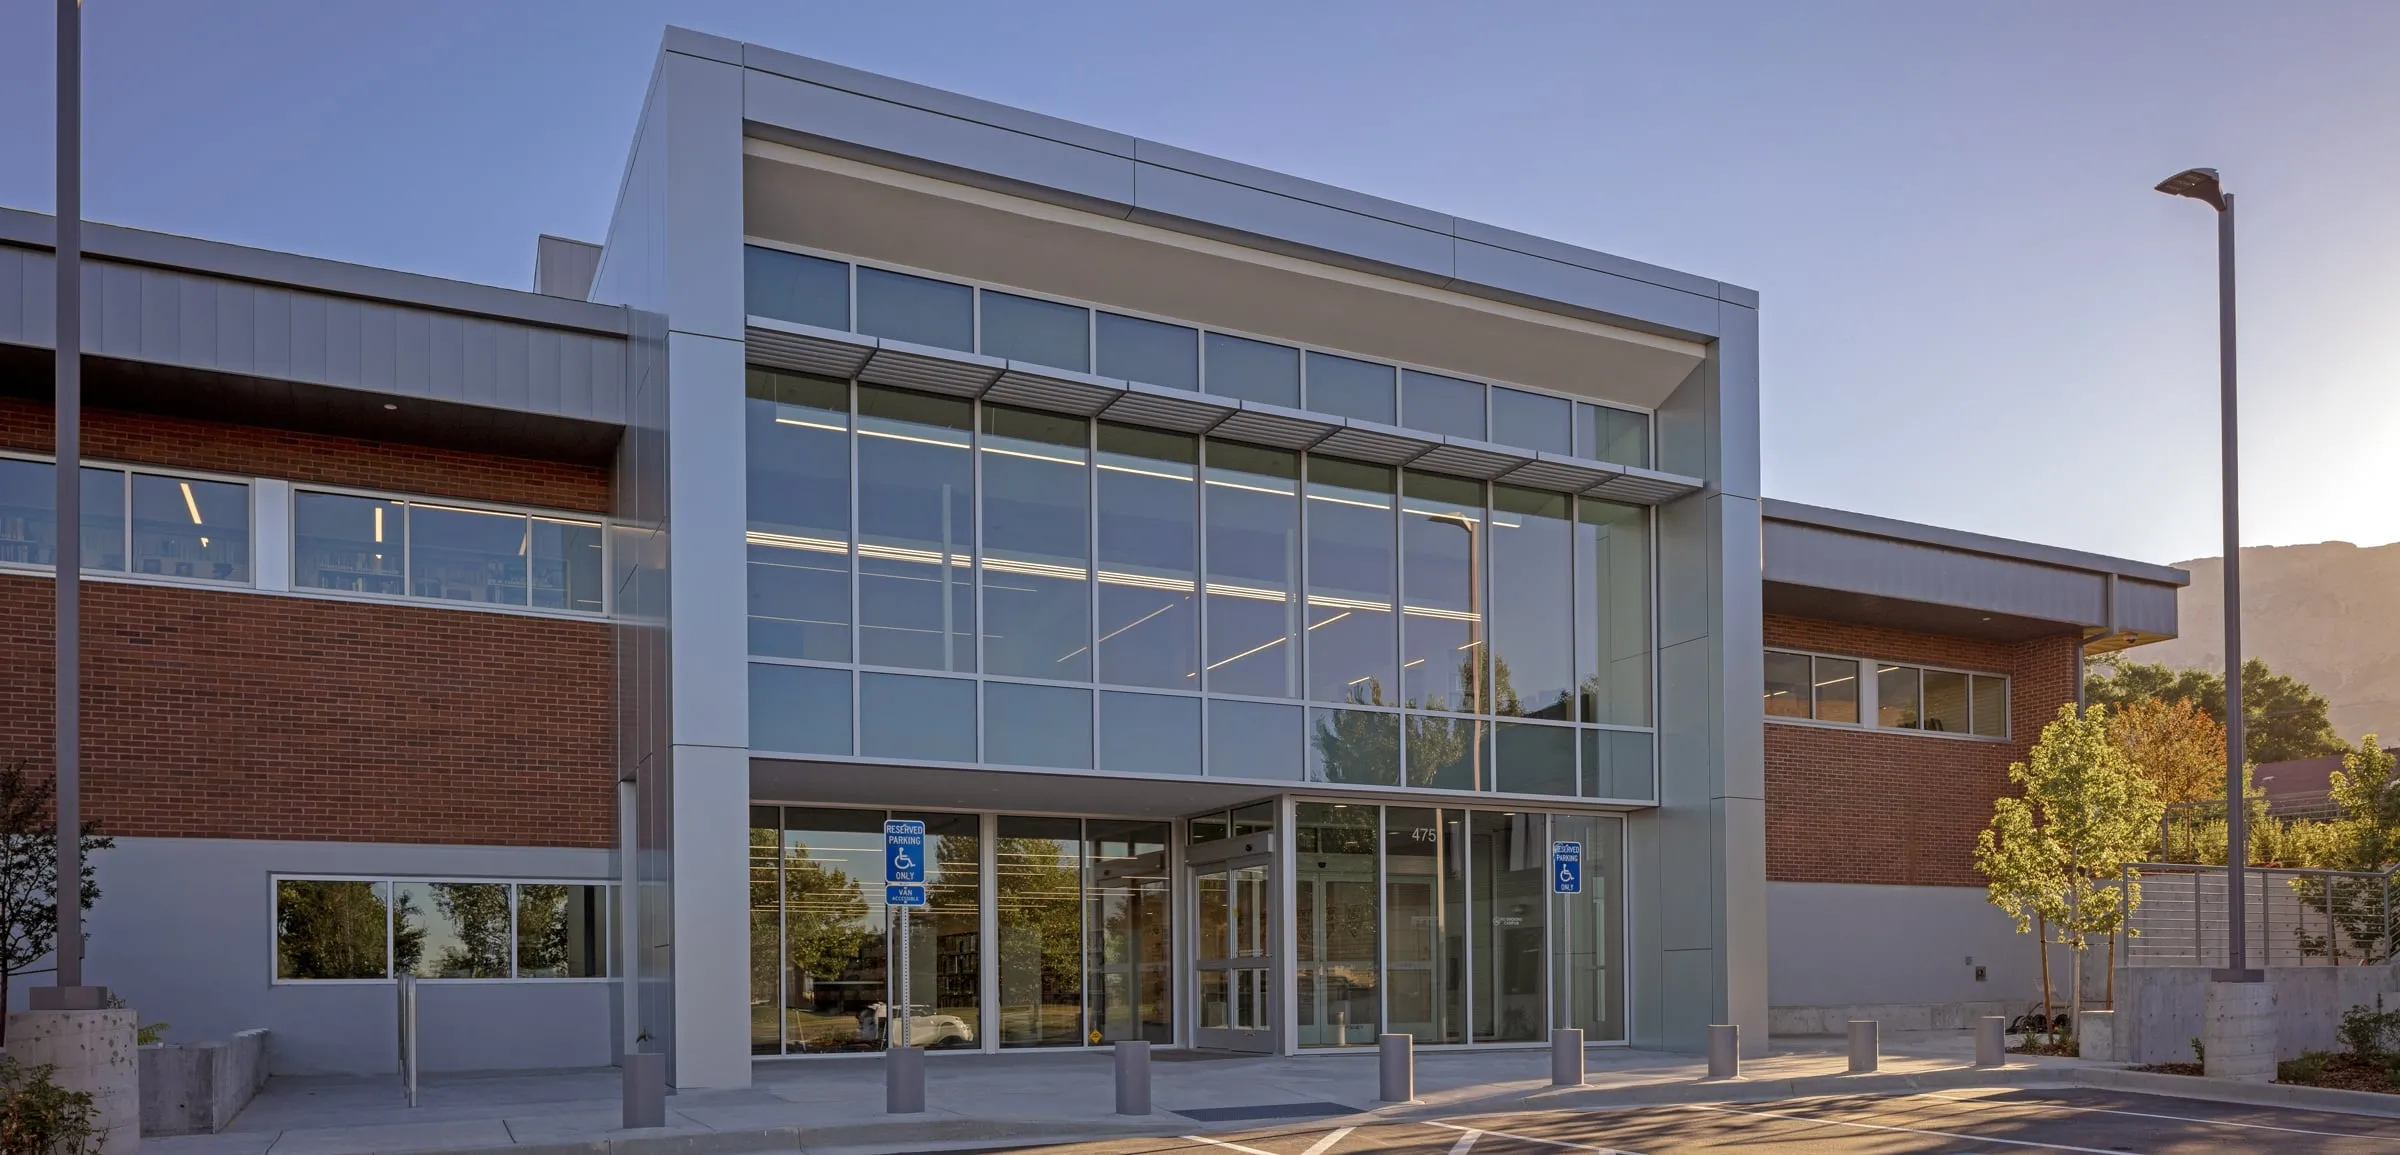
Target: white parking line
1321, 1146
1466, 1142
2049, 1106
1228, 1146
1899, 1130
1525, 1138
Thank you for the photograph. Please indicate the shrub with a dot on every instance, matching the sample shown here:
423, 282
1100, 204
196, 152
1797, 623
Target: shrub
2371, 1033
39, 1117
2308, 1068
2199, 1053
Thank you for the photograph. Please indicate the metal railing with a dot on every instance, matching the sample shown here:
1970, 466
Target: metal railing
2293, 917
408, 1037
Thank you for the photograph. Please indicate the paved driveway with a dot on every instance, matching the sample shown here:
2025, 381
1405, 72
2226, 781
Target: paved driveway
1937, 1122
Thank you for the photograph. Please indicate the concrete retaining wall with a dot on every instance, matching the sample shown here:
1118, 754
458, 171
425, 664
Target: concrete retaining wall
1785, 1021
2159, 1009
198, 1088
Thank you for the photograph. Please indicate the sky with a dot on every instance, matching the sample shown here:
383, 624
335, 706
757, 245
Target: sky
1975, 311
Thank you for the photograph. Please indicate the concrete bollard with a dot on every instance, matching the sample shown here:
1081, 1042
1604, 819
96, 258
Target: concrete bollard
903, 1081
1396, 1060
1865, 1053
2096, 1036
645, 1089
1991, 1041
89, 1050
1724, 1050
1566, 1057
1133, 1076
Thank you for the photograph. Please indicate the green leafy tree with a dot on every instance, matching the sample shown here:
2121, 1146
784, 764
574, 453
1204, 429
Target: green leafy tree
2364, 837
330, 930
478, 916
2282, 718
29, 874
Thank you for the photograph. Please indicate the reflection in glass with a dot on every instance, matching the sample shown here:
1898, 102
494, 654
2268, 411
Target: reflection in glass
340, 542
1253, 521
28, 512
328, 929
797, 457
1356, 746
1509, 878
467, 555
1787, 688
1612, 611
1837, 689
1614, 435
903, 716
1040, 332
1533, 602
916, 309
1896, 697
1534, 759
1586, 944
1334, 922
1442, 532
799, 709
1149, 733
835, 930
566, 565
1128, 972
1946, 702
103, 519
1617, 764
1037, 725
766, 931
792, 287
916, 521
562, 931
1037, 608
945, 939
1449, 753
1422, 889
1254, 740
451, 930
1149, 498
1148, 351
1351, 651
1350, 388
1438, 404
191, 528
1991, 706
1532, 420
1250, 370
1039, 876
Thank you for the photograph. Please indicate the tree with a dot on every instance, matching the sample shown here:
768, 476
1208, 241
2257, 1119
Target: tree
2282, 718
2058, 851
2174, 744
2365, 838
478, 914
29, 874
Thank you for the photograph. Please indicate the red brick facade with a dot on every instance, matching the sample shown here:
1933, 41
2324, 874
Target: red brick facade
232, 714
1861, 805
141, 438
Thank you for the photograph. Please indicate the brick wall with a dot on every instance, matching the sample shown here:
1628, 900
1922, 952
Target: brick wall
221, 714
221, 447
1860, 805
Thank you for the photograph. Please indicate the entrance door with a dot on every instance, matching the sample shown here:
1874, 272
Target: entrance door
1234, 908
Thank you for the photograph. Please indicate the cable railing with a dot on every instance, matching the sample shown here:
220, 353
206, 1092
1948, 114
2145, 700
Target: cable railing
2292, 917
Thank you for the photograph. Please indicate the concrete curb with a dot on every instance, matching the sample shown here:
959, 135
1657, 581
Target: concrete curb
1659, 1094
2374, 1103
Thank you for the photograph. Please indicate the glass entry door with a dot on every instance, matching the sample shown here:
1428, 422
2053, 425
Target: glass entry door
1234, 908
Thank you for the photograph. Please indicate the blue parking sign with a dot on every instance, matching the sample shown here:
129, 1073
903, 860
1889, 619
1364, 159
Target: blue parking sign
903, 851
1566, 868
903, 894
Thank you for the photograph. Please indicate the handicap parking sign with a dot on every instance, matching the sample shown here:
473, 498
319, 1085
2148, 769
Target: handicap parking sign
1566, 868
903, 851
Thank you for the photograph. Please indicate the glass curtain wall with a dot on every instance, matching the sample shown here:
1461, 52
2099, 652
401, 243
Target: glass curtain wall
1587, 980
1037, 607
1253, 526
798, 441
1334, 911
1039, 878
831, 973
1129, 972
1509, 861
916, 523
1149, 501
945, 939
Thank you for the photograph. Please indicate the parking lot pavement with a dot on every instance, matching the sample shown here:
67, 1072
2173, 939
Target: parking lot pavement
1939, 1123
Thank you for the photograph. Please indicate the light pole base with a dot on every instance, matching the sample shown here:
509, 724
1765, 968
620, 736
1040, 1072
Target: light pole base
66, 998
88, 1050
2237, 1032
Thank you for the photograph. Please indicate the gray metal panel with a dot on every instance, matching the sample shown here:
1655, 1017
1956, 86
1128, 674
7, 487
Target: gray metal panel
701, 44
1955, 539
807, 348
935, 100
1172, 196
819, 112
1560, 251
563, 267
1815, 556
1285, 185
2146, 607
1539, 279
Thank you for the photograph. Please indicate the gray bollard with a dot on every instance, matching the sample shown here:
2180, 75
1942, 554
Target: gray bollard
903, 1081
1991, 1041
1396, 1056
1865, 1054
1133, 1076
1566, 1057
645, 1089
1724, 1051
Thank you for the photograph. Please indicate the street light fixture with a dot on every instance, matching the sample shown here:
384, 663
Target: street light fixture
2201, 184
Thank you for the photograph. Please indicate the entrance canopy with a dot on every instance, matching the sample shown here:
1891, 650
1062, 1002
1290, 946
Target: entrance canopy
951, 788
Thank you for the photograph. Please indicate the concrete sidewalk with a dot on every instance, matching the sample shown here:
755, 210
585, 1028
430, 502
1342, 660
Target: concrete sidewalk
1021, 1098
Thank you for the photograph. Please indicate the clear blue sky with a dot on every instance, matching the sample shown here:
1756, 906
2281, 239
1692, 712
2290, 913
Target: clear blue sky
1976, 312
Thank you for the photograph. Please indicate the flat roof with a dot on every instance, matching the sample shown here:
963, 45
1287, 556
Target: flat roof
1960, 540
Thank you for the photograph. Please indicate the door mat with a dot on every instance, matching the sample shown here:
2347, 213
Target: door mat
1263, 1111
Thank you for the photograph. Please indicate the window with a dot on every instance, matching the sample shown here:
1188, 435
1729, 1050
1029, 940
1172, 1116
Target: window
1253, 370
1614, 435
919, 310
1826, 688
1529, 556
360, 544
167, 525
353, 928
1037, 725
1041, 332
903, 716
1149, 497
1352, 648
799, 709
1347, 387
916, 527
797, 438
1532, 421
1037, 600
1150, 733
1253, 527
1443, 536
1148, 351
791, 287
354, 544
1438, 404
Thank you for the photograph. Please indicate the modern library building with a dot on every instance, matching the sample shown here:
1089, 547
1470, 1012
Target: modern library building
1246, 581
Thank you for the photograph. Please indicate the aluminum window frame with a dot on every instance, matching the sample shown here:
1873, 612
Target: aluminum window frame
391, 975
408, 551
1869, 697
127, 470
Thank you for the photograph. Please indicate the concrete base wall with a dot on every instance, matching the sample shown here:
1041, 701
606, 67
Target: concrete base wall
1788, 1021
1905, 956
90, 1051
2160, 1010
199, 1088
184, 933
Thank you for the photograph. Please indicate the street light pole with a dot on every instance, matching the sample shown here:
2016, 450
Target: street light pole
67, 559
2201, 184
